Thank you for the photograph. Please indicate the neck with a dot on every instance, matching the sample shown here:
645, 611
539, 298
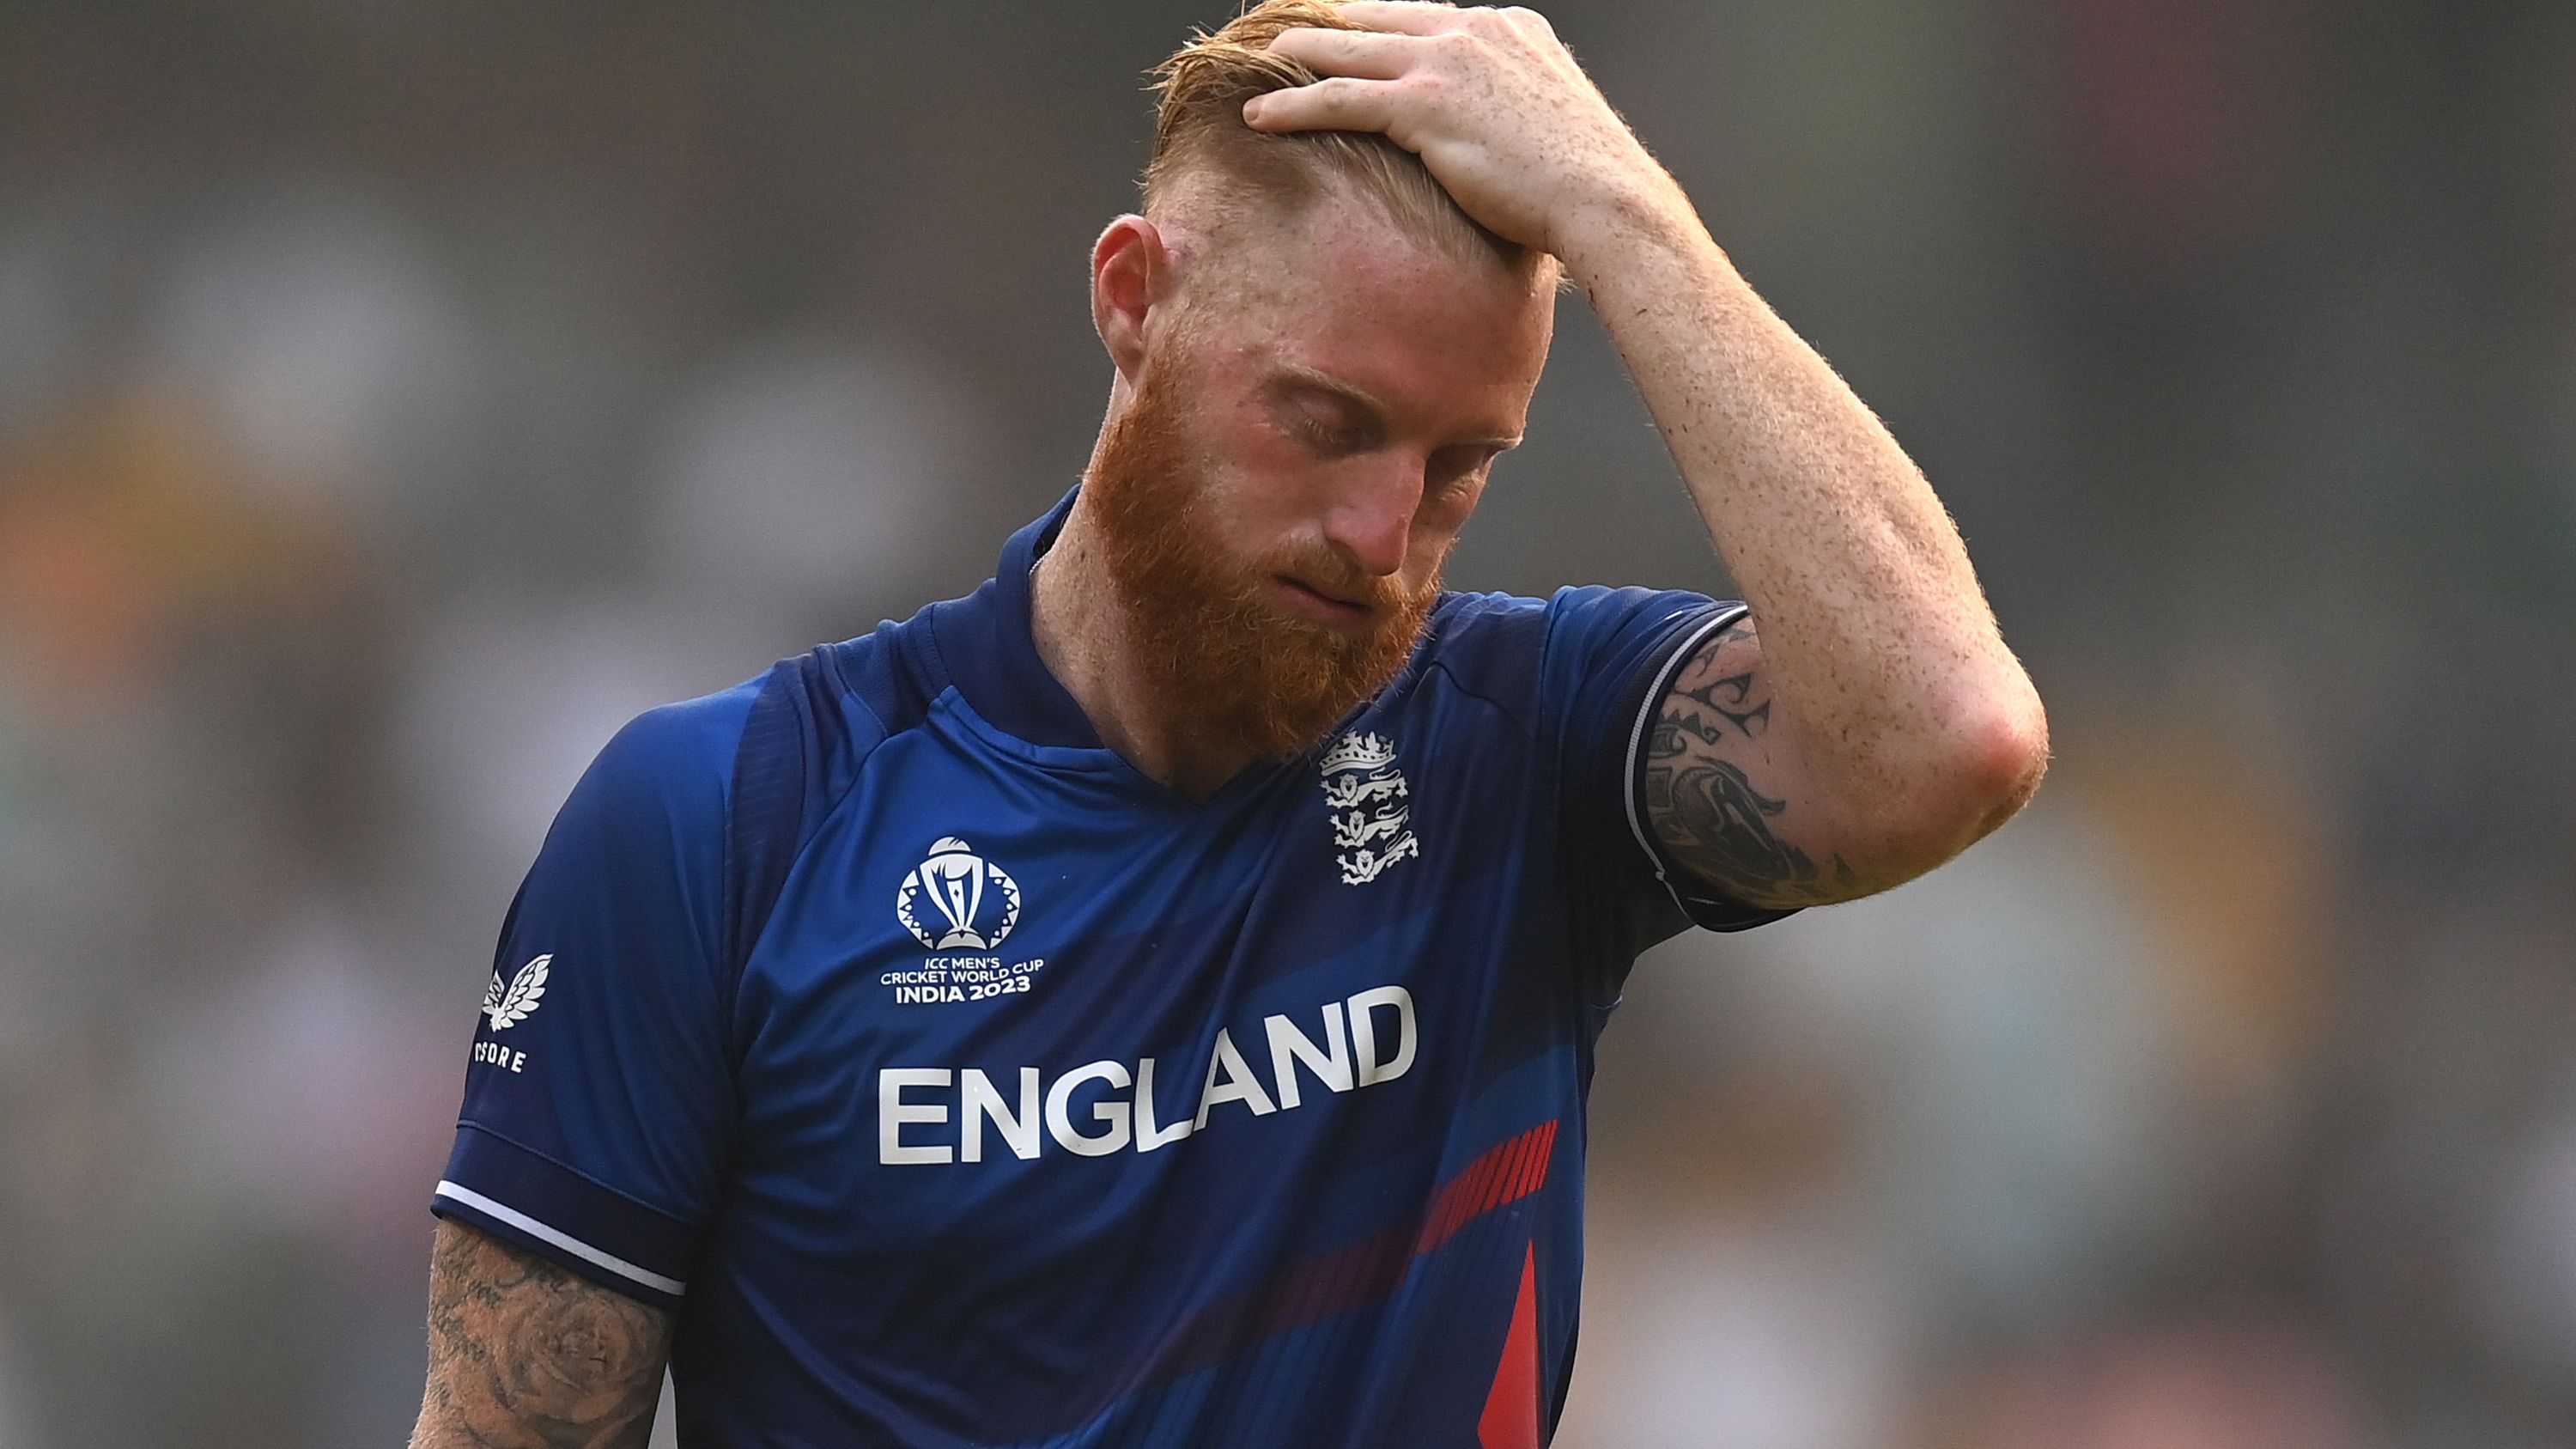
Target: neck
1082, 636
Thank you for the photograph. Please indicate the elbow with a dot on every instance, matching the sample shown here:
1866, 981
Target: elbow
2005, 758
1980, 770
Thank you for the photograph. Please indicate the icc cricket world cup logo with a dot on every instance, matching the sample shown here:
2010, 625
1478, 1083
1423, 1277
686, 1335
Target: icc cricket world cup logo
973, 903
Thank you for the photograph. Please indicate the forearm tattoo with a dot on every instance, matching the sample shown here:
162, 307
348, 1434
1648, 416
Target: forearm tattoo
1705, 810
523, 1355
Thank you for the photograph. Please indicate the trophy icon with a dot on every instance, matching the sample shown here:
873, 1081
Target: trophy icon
954, 879
954, 876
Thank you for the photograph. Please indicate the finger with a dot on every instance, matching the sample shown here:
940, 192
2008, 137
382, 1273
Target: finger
1363, 54
1336, 103
1404, 17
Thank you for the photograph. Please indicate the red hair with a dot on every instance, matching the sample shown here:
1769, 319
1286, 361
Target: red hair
1199, 129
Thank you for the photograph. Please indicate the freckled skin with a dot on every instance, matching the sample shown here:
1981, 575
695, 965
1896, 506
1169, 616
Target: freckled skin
1348, 294
1895, 726
1446, 353
1866, 724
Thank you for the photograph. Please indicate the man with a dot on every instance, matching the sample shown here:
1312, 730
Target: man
1151, 1000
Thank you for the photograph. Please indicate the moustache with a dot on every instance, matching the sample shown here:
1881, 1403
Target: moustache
1331, 575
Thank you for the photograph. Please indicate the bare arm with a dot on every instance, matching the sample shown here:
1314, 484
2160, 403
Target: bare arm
1878, 725
1714, 791
1875, 725
523, 1355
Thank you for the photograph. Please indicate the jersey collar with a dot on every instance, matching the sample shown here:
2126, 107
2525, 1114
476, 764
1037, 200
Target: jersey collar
990, 653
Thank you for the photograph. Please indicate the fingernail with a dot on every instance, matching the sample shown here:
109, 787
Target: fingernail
1252, 108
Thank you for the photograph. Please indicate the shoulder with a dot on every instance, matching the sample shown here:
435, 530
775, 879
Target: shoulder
1481, 645
823, 710
1486, 638
840, 701
1595, 612
673, 760
1475, 633
1573, 666
783, 741
651, 808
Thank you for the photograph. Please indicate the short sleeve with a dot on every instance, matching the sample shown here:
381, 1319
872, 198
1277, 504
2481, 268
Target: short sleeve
599, 1095
1610, 657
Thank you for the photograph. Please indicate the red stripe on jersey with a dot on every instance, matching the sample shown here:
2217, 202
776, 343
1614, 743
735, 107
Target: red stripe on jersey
1345, 1278
1510, 1420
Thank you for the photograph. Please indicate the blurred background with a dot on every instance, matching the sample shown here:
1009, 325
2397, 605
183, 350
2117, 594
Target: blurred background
394, 398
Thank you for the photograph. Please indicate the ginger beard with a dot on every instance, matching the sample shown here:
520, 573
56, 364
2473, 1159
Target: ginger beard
1215, 653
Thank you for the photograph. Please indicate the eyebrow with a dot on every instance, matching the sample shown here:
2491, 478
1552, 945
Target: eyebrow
1354, 393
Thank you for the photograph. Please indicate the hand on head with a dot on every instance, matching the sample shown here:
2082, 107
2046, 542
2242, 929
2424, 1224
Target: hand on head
1492, 102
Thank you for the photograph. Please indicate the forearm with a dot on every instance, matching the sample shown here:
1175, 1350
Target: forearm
1876, 639
1904, 728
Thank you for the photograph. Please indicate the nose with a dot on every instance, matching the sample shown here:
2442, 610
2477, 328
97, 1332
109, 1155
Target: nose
1372, 522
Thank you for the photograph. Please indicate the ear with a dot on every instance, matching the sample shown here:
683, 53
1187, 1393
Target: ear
1131, 275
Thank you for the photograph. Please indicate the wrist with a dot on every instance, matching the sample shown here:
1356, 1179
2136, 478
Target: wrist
1633, 229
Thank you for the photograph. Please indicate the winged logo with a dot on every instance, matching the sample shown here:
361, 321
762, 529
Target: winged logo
508, 1004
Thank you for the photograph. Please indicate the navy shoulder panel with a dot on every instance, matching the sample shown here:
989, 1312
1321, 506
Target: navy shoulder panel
674, 754
814, 722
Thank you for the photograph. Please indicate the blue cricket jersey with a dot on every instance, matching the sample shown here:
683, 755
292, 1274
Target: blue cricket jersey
955, 1084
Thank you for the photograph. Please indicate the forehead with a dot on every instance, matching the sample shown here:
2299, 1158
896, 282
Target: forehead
1339, 288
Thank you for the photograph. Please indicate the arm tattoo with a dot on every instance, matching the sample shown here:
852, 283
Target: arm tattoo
1703, 807
523, 1355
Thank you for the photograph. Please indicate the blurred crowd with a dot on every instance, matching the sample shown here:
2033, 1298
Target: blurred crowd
395, 398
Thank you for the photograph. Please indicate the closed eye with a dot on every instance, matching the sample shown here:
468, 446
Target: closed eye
1455, 467
1325, 439
1327, 418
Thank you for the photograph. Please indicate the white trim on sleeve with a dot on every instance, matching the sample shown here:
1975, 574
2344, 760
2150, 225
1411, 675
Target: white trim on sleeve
468, 1197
